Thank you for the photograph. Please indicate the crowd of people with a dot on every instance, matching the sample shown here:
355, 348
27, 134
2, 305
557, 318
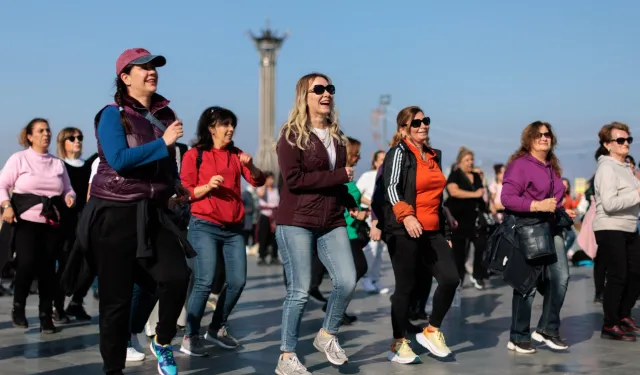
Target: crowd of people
156, 227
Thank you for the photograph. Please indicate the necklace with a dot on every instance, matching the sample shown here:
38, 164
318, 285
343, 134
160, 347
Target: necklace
324, 139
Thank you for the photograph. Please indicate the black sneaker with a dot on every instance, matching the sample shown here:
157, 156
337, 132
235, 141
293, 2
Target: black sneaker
597, 298
77, 310
262, 262
554, 342
616, 333
19, 318
317, 295
275, 262
60, 317
46, 324
347, 320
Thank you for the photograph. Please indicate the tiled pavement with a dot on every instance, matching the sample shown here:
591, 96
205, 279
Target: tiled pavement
477, 332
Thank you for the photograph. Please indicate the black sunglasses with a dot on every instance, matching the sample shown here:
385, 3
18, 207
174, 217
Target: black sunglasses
621, 140
72, 138
416, 123
547, 135
319, 89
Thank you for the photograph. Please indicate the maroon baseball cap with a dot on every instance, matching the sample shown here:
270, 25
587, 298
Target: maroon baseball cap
138, 56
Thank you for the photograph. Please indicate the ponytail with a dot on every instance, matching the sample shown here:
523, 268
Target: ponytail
121, 92
397, 138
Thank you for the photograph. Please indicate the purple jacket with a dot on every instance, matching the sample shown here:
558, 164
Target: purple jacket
527, 179
151, 181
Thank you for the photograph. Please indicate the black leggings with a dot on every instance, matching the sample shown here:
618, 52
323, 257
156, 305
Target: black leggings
460, 240
37, 246
409, 256
266, 238
114, 241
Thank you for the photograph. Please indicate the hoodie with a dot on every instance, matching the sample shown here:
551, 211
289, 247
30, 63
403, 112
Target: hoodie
617, 197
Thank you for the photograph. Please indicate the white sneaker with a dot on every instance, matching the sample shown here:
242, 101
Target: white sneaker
368, 286
134, 351
149, 330
381, 290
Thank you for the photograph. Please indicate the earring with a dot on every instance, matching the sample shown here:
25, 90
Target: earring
608, 150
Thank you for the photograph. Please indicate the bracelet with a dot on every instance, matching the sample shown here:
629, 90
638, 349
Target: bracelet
8, 205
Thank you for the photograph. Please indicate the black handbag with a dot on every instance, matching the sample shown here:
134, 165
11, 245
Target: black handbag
536, 240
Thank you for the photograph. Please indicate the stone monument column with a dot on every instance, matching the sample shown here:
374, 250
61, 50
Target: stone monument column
268, 45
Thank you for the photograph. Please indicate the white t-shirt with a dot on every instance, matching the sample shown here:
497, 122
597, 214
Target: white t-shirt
366, 183
94, 169
328, 143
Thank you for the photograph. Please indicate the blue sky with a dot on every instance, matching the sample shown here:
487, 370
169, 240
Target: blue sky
482, 70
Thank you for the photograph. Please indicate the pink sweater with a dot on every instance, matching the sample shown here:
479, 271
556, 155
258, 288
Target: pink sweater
29, 172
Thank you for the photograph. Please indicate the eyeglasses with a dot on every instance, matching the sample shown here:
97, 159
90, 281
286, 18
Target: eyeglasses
416, 123
621, 140
319, 89
72, 138
547, 135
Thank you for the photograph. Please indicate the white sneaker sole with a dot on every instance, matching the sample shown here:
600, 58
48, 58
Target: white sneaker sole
138, 358
513, 347
539, 338
391, 356
422, 340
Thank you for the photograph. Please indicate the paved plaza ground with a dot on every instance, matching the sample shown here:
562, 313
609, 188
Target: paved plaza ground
477, 332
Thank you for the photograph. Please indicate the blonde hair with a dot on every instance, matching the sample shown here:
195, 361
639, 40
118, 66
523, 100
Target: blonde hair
462, 153
62, 137
298, 122
405, 116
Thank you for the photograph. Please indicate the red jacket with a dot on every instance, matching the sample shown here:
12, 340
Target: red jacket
314, 196
223, 205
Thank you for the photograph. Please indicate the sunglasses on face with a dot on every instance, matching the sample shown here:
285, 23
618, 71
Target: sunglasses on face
72, 138
547, 135
319, 89
416, 123
621, 140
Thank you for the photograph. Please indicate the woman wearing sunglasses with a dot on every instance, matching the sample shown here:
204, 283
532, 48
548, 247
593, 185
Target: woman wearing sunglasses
312, 156
70, 151
532, 190
416, 233
617, 194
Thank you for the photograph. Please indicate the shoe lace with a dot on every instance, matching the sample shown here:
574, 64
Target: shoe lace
167, 355
402, 346
296, 364
440, 338
334, 347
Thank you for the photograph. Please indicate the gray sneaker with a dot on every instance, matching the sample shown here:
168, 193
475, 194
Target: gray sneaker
291, 366
222, 339
193, 346
331, 348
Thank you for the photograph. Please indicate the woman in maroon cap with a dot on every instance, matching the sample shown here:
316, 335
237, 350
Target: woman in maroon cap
126, 221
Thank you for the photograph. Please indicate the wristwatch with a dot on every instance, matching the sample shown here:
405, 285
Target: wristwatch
8, 205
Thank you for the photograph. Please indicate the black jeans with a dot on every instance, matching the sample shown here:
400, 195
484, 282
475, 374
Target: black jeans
599, 273
114, 242
266, 238
409, 256
37, 246
460, 240
553, 289
621, 253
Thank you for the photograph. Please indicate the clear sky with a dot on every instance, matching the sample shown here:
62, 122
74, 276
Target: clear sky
482, 70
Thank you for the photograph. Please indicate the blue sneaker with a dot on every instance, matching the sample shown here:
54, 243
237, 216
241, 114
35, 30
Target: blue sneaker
164, 353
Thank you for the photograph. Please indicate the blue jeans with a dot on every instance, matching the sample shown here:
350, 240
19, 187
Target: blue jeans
207, 240
296, 246
569, 239
553, 289
142, 305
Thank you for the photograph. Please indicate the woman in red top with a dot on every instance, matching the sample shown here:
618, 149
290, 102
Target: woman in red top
211, 172
416, 232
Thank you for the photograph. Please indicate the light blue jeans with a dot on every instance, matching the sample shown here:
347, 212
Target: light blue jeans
207, 240
296, 245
